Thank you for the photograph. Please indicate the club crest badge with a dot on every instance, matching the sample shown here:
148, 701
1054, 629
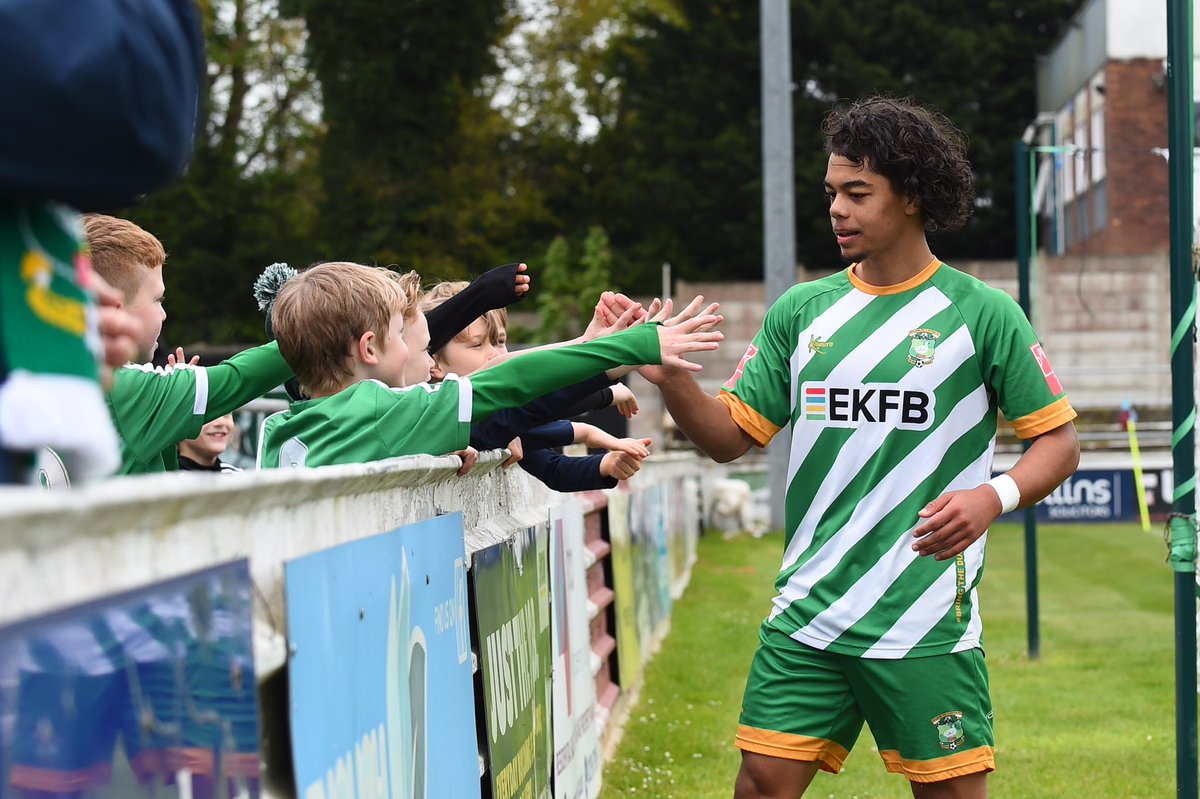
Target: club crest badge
921, 344
949, 730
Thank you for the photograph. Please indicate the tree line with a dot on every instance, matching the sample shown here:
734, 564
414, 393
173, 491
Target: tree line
585, 134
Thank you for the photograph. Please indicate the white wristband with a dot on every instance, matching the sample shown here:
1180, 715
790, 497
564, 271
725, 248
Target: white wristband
1008, 492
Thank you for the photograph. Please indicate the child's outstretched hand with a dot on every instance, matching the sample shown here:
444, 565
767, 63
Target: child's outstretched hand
613, 312
523, 282
692, 309
620, 465
637, 447
177, 358
624, 400
698, 334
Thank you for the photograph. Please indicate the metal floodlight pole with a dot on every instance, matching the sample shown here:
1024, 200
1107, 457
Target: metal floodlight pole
779, 208
1026, 232
1182, 555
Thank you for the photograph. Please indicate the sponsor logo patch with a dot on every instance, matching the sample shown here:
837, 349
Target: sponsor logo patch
751, 351
1043, 362
817, 346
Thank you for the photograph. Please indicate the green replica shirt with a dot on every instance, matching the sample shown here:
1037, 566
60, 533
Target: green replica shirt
892, 396
154, 408
368, 421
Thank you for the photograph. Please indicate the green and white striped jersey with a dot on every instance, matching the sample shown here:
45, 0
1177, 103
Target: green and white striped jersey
892, 393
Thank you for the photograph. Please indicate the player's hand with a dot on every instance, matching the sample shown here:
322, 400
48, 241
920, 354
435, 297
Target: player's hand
624, 400
954, 521
517, 451
470, 456
620, 465
523, 283
698, 334
178, 358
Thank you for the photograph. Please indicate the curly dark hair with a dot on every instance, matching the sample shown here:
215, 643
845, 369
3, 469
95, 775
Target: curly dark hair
921, 153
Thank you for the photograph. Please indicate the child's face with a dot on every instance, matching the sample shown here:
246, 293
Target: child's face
416, 338
213, 440
469, 350
393, 357
147, 306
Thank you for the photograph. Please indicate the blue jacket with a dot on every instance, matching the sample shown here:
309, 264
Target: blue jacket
99, 98
541, 430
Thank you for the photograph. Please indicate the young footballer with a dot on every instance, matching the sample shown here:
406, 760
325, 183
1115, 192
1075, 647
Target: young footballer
153, 408
890, 375
341, 326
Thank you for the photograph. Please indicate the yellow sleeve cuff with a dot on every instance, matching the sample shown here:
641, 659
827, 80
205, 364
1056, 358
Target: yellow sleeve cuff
757, 426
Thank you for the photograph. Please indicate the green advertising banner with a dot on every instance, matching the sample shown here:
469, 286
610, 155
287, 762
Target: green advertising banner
629, 650
513, 615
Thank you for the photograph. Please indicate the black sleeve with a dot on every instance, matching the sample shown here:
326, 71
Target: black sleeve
565, 473
101, 98
496, 288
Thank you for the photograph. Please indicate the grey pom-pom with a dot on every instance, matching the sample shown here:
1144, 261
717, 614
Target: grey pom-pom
268, 284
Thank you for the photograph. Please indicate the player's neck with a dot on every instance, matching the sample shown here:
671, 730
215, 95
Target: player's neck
896, 265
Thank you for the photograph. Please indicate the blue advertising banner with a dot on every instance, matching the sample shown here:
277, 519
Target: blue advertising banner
382, 703
146, 693
1108, 495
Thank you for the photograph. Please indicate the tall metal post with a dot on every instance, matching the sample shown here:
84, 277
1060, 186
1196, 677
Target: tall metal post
1182, 556
1026, 219
779, 208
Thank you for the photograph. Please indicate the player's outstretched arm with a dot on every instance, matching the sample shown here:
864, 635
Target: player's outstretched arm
957, 519
704, 419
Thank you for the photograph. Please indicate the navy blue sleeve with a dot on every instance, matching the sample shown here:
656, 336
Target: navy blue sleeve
100, 98
593, 402
566, 473
495, 288
551, 434
502, 427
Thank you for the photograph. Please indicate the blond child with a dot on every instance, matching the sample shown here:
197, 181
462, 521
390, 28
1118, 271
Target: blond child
342, 327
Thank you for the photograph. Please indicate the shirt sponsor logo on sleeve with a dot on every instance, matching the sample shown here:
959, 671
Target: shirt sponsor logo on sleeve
751, 351
1043, 363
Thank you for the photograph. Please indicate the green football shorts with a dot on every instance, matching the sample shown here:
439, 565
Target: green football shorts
931, 716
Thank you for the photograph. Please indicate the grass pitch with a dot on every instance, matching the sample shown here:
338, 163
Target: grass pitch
1093, 717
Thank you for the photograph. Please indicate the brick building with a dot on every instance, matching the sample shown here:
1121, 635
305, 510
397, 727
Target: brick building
1102, 91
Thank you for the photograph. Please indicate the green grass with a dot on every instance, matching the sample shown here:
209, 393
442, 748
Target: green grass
1093, 717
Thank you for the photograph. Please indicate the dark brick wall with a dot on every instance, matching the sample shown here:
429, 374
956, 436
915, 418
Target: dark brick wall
1138, 209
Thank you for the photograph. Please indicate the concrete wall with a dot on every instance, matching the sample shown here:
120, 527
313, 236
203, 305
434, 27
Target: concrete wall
60, 548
